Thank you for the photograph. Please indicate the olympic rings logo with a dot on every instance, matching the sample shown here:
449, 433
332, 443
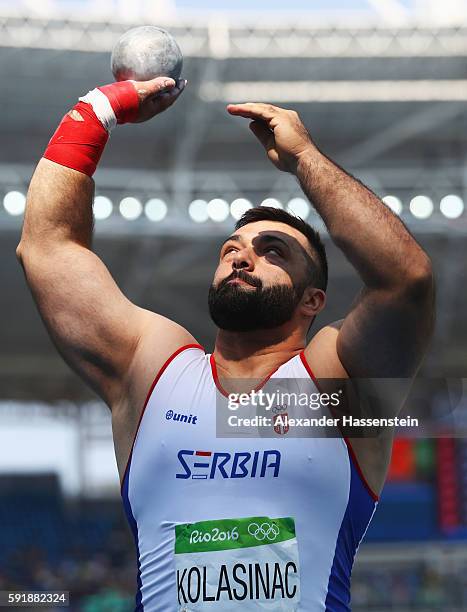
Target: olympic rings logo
263, 531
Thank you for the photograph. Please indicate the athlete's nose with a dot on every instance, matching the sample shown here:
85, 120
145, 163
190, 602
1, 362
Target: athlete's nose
242, 260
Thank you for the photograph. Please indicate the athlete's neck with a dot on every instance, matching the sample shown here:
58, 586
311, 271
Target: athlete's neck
255, 354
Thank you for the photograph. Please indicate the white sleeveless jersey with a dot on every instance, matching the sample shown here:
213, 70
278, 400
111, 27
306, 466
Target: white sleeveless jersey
230, 524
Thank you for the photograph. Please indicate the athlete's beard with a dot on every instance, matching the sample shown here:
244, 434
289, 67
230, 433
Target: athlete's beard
239, 309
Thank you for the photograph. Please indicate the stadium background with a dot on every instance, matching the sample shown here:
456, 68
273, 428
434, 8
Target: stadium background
382, 86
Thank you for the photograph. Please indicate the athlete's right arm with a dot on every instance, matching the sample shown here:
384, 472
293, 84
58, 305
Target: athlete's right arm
94, 326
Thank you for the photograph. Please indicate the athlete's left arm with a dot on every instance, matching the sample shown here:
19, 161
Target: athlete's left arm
387, 330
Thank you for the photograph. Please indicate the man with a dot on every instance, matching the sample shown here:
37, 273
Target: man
231, 524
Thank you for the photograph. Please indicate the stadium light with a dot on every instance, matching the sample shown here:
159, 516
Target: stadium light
218, 210
452, 206
130, 208
102, 207
299, 207
198, 211
272, 202
394, 203
155, 209
14, 203
421, 207
239, 206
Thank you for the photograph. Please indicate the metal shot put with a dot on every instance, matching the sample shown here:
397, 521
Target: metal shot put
145, 53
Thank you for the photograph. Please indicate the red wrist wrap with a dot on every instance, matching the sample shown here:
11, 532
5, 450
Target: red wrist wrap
124, 100
80, 138
78, 142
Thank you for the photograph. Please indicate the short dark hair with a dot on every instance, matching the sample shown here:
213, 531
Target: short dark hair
319, 268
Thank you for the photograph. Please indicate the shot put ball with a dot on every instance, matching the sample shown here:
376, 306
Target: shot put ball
145, 53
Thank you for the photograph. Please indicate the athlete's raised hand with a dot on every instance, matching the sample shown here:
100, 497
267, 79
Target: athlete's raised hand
156, 96
134, 101
279, 130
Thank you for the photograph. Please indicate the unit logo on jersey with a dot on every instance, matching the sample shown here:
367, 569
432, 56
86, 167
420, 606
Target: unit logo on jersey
170, 415
206, 465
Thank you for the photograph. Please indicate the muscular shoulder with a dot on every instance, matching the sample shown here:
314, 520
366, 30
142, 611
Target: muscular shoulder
160, 338
321, 353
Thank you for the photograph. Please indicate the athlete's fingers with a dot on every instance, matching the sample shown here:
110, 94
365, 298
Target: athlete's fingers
154, 86
263, 134
165, 99
254, 110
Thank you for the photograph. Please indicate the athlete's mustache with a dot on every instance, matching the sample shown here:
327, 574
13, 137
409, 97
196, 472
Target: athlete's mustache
242, 275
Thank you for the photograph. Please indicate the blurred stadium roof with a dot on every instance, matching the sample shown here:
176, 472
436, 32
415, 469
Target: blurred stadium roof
383, 11
386, 96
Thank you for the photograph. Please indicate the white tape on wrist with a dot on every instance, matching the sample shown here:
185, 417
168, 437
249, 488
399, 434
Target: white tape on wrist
102, 108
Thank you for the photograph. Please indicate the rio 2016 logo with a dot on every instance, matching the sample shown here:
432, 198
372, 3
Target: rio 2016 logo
215, 535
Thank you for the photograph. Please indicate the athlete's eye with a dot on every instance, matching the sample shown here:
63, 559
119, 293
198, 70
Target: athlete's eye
229, 250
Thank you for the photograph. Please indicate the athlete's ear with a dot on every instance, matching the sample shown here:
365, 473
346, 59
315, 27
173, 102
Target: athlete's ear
313, 301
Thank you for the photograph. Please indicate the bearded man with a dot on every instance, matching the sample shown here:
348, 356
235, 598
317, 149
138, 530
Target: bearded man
245, 523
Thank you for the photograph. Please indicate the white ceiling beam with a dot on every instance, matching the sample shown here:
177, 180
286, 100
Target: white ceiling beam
434, 90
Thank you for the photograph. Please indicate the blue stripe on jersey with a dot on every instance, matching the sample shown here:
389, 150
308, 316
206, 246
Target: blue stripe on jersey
360, 508
134, 529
